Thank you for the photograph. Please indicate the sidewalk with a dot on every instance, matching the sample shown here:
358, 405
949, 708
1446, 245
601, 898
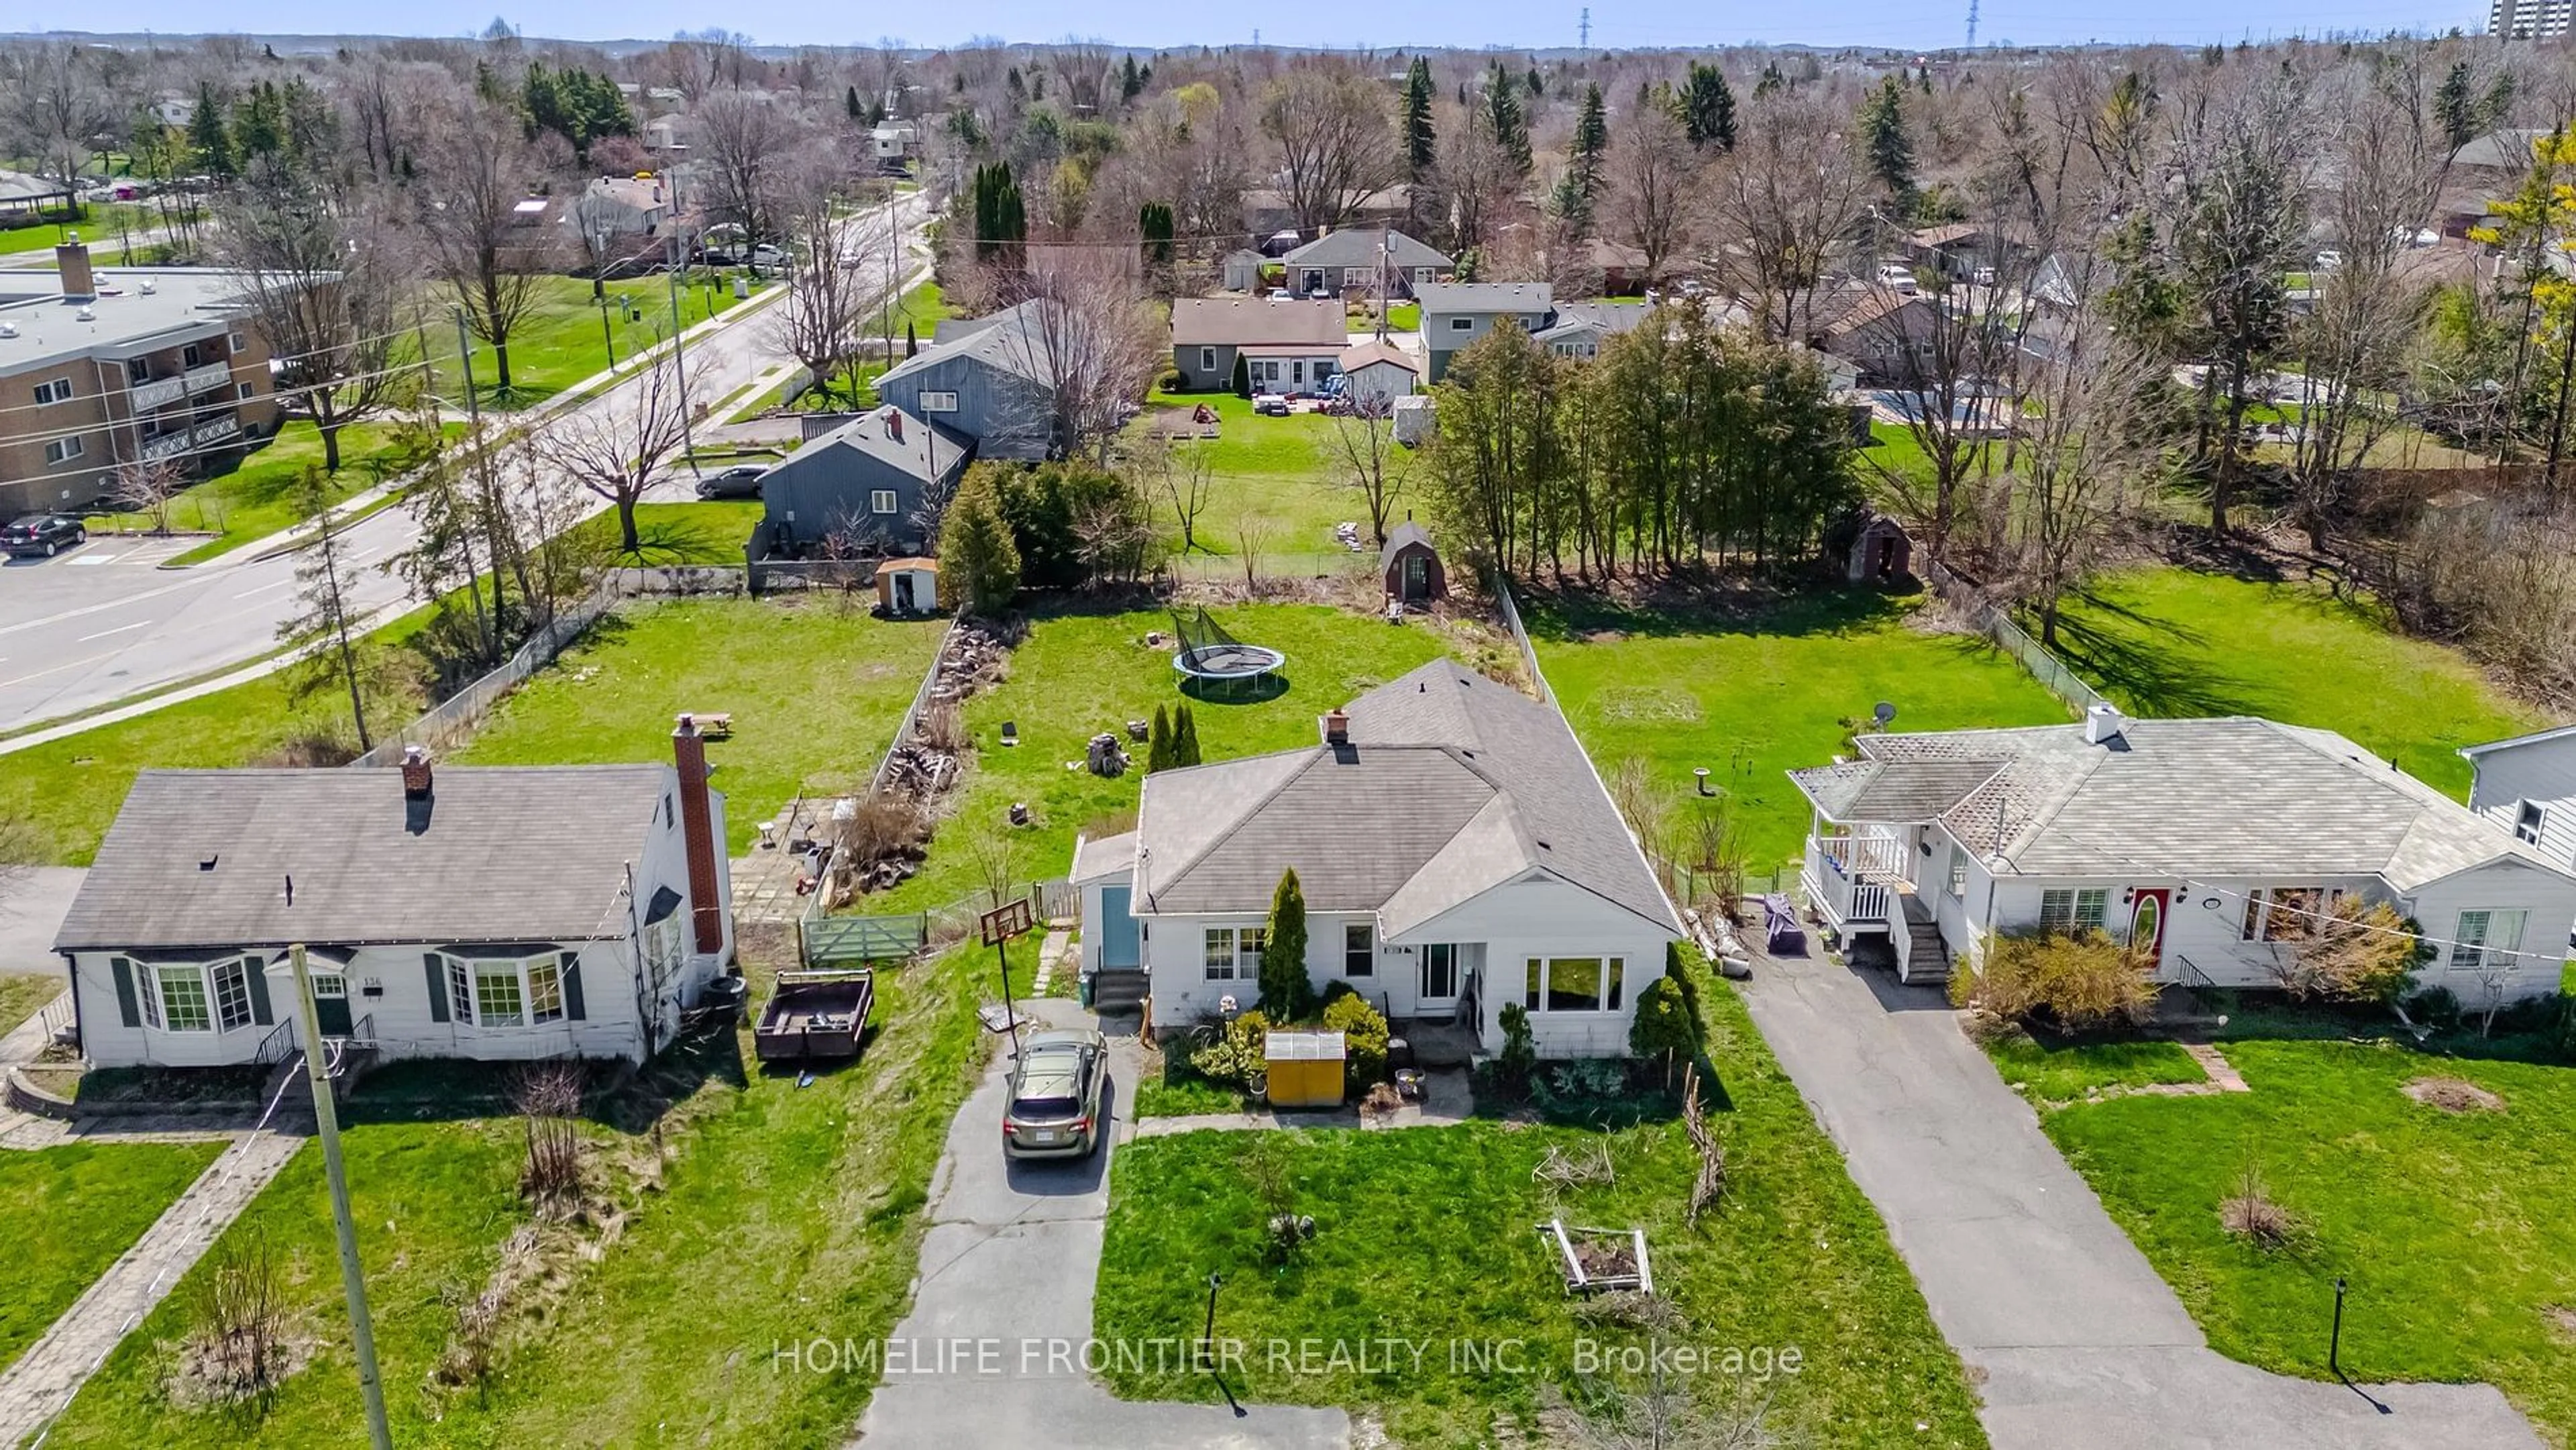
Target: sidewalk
2078, 1341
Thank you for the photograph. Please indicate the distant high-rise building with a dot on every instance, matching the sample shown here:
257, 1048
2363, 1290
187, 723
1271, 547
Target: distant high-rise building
2530, 19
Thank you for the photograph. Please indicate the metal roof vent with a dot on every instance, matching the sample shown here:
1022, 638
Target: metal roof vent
8, 329
148, 287
85, 315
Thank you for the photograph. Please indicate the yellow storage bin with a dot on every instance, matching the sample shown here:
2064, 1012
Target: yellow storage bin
1305, 1068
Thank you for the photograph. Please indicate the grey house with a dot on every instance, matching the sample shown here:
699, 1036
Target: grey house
1455, 314
985, 379
1208, 333
1350, 258
1577, 329
860, 487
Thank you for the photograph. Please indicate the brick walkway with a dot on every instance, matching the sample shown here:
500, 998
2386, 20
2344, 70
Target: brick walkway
45, 1378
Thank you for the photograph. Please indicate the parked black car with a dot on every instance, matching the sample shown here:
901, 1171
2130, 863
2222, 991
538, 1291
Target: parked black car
41, 536
740, 481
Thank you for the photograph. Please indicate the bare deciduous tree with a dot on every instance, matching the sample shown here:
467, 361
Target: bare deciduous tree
1379, 466
1186, 477
832, 284
1785, 199
1330, 124
617, 446
1654, 182
1089, 344
147, 486
746, 143
482, 247
321, 275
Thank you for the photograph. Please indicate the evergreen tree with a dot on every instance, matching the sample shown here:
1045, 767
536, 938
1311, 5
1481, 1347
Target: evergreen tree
1537, 87
1243, 373
2455, 107
1771, 79
259, 123
1891, 151
208, 136
1130, 80
1287, 993
1185, 736
1154, 224
911, 340
1708, 108
850, 103
1001, 219
1158, 743
1510, 123
1421, 143
975, 547
1591, 140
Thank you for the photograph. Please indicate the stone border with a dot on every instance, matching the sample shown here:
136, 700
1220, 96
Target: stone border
25, 1096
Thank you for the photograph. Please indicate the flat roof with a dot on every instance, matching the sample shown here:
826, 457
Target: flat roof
137, 309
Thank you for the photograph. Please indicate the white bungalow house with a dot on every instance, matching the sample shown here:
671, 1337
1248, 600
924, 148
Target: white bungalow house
2196, 841
1456, 850
490, 912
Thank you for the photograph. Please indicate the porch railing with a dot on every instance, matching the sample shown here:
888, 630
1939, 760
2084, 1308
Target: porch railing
1847, 891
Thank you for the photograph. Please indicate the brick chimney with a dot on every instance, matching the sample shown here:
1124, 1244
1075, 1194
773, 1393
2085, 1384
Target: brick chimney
415, 769
73, 258
1337, 727
894, 424
697, 832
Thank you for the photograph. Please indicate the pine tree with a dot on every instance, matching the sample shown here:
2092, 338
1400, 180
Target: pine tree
1510, 123
911, 340
1158, 743
975, 547
1708, 108
1891, 151
1287, 993
1771, 80
850, 103
207, 135
2455, 106
1591, 140
1421, 143
1154, 224
336, 655
1185, 736
1130, 80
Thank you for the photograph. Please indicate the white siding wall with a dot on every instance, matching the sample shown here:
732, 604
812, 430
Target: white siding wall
1497, 933
2507, 886
2544, 772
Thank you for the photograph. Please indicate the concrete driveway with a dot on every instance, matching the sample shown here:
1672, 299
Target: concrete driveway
2080, 1341
992, 1351
33, 902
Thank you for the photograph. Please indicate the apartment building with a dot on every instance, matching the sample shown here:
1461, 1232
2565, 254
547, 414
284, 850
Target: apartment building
2529, 19
104, 368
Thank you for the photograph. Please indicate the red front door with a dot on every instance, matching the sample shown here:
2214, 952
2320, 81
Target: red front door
2147, 907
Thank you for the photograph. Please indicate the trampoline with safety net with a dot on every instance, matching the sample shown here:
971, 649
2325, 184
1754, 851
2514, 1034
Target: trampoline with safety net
1218, 662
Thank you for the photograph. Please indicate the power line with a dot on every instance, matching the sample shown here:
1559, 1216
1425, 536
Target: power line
1583, 30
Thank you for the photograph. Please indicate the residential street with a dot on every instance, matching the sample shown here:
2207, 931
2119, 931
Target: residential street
1010, 1261
2077, 1340
102, 622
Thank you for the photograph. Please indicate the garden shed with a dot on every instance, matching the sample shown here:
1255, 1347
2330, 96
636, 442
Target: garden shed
1882, 553
1412, 566
908, 587
1305, 1068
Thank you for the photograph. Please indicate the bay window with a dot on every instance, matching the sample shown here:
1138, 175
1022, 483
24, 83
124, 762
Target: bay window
1573, 984
506, 991
195, 996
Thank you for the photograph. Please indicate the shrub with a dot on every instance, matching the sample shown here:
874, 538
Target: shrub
1664, 1029
2251, 1214
1519, 1055
976, 549
2434, 1007
1364, 1037
1236, 1054
1586, 1087
2081, 981
1171, 381
2353, 951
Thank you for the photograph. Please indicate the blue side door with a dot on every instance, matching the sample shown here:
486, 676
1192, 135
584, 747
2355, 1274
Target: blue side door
1118, 947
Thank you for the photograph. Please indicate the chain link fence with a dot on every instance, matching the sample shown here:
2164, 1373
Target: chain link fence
1992, 621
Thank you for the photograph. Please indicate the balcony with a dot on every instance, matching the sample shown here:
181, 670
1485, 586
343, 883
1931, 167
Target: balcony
211, 375
214, 432
160, 392
1853, 880
168, 445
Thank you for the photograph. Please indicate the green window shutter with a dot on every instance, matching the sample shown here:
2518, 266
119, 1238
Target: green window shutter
437, 970
128, 1010
257, 979
573, 1011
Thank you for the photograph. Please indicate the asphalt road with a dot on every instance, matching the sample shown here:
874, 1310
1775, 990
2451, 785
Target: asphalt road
101, 622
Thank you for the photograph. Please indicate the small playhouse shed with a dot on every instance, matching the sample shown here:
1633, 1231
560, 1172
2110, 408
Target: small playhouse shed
1305, 1068
908, 587
1881, 553
1412, 566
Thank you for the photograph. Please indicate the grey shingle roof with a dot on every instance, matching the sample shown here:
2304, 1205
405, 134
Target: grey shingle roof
1446, 299
1357, 247
1607, 318
2236, 796
873, 433
1217, 321
1451, 784
1013, 340
504, 853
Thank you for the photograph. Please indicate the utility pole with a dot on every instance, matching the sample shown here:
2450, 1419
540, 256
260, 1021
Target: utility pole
326, 1116
482, 447
679, 360
1385, 259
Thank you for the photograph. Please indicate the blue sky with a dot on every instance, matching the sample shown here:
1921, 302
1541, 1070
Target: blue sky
1384, 23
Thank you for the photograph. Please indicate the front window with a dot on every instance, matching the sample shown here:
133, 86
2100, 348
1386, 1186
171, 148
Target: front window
62, 450
1234, 952
1207, 359
2282, 913
943, 402
59, 390
1461, 324
184, 1006
1359, 950
506, 991
1573, 984
2486, 940
195, 996
2067, 912
1958, 869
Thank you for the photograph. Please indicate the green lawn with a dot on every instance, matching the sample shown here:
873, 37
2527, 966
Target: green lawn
253, 497
70, 1212
1079, 674
560, 342
2453, 1230
23, 994
2058, 1073
1178, 1091
711, 531
2177, 643
1755, 694
781, 1215
1425, 1234
924, 308
1288, 472
815, 687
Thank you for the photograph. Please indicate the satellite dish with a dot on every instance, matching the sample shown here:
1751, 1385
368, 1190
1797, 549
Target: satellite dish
1885, 714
